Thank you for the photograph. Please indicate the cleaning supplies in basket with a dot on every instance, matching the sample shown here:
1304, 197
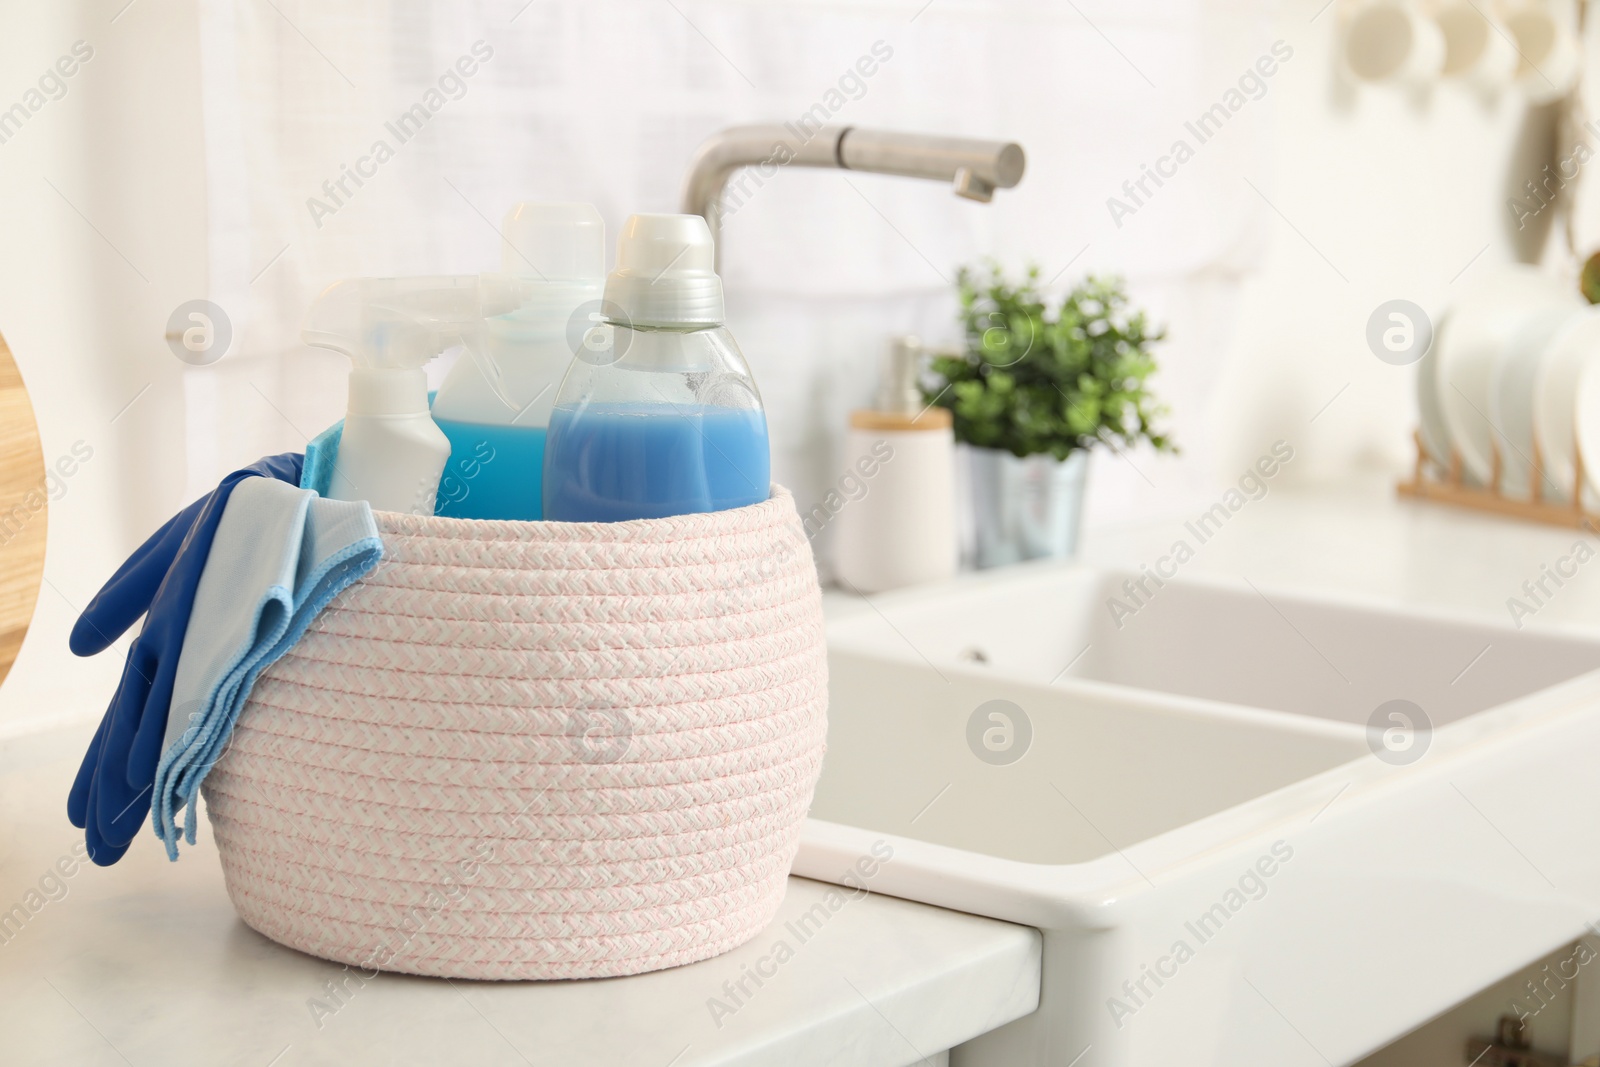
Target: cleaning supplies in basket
391, 454
280, 555
110, 797
658, 415
536, 750
497, 428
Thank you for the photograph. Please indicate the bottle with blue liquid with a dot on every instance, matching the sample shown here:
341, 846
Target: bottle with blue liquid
658, 415
494, 405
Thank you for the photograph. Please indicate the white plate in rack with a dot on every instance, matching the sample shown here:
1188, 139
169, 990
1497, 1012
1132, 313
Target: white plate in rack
1555, 395
1430, 408
1511, 402
1586, 424
1483, 323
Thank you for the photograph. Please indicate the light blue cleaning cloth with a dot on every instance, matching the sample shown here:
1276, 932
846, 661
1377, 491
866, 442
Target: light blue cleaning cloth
280, 555
321, 452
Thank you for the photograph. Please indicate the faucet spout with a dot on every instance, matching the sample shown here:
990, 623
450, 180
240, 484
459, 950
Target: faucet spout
974, 168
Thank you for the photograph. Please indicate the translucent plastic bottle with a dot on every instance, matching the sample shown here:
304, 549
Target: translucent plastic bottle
495, 411
659, 414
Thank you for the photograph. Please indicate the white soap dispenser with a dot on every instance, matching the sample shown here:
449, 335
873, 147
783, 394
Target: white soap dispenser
896, 521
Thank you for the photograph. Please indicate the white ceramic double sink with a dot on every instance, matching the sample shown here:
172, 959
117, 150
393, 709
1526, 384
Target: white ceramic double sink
1225, 870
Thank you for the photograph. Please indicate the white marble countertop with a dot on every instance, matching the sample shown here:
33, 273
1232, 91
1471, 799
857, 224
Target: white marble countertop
146, 963
1361, 539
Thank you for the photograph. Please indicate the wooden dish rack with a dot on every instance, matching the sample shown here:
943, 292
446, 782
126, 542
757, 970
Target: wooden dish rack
1448, 486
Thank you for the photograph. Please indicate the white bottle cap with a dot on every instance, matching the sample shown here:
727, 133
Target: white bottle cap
666, 273
554, 242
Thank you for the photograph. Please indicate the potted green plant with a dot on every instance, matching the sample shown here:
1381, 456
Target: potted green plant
1035, 387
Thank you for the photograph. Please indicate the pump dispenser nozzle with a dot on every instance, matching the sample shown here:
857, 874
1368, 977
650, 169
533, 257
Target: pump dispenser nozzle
897, 381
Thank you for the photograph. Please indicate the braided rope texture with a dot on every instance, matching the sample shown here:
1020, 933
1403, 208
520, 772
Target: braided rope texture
536, 750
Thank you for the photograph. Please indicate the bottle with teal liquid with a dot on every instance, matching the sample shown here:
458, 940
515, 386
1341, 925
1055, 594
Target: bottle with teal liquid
494, 405
658, 415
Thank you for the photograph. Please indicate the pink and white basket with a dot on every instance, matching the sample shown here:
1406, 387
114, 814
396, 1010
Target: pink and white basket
536, 750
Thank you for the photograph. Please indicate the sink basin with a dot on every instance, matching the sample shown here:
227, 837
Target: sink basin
1239, 847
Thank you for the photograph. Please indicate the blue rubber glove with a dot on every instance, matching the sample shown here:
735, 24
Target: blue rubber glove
110, 799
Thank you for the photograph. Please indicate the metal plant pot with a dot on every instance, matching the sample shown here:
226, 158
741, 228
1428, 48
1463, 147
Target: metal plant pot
1019, 509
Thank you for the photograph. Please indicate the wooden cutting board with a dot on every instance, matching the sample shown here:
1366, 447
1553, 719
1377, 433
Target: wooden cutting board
24, 503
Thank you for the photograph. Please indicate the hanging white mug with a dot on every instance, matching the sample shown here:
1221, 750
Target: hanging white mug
1549, 57
1477, 46
1389, 41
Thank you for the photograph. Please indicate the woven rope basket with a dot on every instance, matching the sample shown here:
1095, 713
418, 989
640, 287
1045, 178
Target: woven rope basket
536, 750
